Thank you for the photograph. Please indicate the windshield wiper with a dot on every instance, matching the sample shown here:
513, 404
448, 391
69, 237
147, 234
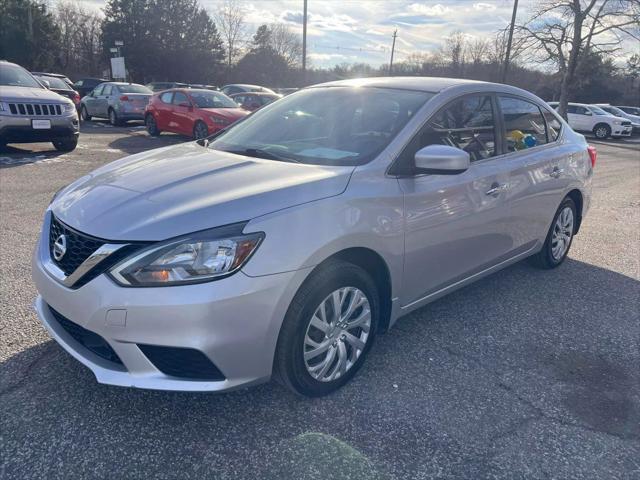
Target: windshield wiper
259, 153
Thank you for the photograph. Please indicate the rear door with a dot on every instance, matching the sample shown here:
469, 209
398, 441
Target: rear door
539, 167
455, 225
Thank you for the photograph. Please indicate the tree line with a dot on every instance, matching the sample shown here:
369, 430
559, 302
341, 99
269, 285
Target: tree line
564, 50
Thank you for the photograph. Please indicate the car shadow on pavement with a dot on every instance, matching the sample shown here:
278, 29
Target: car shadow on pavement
140, 142
11, 156
542, 362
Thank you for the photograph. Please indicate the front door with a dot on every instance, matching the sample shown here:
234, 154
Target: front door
180, 119
455, 225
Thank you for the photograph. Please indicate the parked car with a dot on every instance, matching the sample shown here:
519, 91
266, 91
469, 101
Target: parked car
255, 100
631, 110
117, 101
204, 86
286, 91
592, 119
243, 87
617, 112
30, 113
160, 86
60, 84
283, 245
85, 86
192, 112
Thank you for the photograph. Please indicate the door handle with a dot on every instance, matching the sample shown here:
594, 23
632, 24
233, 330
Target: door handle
556, 172
497, 188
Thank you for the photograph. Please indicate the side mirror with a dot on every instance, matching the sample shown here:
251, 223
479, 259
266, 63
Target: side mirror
441, 160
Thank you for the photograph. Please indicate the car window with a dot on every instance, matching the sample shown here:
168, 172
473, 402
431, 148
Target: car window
553, 125
107, 90
467, 124
54, 82
14, 76
166, 97
179, 98
212, 100
79, 83
598, 111
98, 90
523, 123
239, 99
332, 125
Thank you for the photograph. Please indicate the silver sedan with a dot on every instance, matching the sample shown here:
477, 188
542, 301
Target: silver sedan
116, 101
285, 244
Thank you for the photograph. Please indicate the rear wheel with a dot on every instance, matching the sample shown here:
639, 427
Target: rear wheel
152, 126
200, 130
84, 114
559, 238
328, 330
602, 131
113, 118
66, 145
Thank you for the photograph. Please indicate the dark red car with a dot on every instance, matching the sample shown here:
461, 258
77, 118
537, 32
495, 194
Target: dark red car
254, 100
197, 113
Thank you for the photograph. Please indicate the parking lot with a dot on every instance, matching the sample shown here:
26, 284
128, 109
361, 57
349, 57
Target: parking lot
527, 373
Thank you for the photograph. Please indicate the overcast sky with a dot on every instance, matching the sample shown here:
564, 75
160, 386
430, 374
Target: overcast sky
361, 30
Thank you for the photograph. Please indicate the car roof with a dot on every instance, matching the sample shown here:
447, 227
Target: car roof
260, 94
425, 84
248, 85
54, 75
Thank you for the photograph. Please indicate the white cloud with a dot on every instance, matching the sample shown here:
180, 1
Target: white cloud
431, 10
484, 6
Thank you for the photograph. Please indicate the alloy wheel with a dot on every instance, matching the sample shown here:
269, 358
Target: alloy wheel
337, 334
562, 233
601, 132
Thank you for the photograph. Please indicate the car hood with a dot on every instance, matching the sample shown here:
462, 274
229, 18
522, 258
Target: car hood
228, 113
21, 94
185, 188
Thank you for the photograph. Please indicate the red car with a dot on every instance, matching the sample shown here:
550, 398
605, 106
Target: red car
254, 100
197, 113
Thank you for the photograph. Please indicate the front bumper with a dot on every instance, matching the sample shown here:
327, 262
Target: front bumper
234, 322
621, 131
18, 129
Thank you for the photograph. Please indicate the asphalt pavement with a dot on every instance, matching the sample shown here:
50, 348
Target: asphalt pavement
525, 374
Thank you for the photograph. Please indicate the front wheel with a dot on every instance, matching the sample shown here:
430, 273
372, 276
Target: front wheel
66, 145
84, 114
559, 238
152, 126
113, 118
602, 131
328, 330
200, 130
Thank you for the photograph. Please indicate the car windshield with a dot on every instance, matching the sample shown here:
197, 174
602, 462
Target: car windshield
133, 88
631, 110
616, 111
212, 100
14, 76
598, 111
54, 82
330, 126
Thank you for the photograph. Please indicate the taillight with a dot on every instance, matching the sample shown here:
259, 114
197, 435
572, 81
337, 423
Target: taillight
124, 98
593, 155
76, 98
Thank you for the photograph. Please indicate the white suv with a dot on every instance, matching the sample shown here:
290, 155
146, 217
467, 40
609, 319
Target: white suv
591, 118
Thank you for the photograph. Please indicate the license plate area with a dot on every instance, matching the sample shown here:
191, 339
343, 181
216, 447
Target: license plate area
41, 124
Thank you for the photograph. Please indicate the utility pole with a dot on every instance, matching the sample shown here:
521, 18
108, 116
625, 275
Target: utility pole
304, 44
393, 47
505, 68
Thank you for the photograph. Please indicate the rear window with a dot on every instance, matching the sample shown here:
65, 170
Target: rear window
133, 88
54, 82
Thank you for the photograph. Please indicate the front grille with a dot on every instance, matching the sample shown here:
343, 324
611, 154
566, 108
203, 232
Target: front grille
35, 109
182, 362
88, 339
79, 246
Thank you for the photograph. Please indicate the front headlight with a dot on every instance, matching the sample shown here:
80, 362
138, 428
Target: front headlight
617, 122
69, 107
196, 258
219, 120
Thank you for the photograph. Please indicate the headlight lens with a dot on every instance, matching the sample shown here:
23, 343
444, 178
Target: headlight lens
197, 258
219, 121
617, 122
69, 107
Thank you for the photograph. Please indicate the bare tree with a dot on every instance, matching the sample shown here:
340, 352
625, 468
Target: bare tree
565, 32
80, 31
454, 50
478, 50
230, 22
286, 43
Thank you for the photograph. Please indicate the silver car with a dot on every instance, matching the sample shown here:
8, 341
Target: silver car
117, 101
285, 244
31, 113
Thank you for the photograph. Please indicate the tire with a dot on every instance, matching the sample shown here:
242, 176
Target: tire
200, 130
290, 366
602, 131
152, 126
113, 118
84, 114
66, 145
549, 257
